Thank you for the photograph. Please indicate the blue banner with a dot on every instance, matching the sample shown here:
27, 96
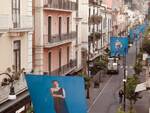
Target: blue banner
138, 30
119, 46
53, 94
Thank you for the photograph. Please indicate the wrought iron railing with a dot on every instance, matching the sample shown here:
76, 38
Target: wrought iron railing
65, 69
59, 38
60, 4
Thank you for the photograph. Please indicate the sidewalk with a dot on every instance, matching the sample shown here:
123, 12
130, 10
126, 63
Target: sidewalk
143, 104
94, 92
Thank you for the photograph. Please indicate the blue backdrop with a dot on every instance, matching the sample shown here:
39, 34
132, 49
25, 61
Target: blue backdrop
118, 46
43, 102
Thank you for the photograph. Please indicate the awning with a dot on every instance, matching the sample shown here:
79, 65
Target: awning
140, 87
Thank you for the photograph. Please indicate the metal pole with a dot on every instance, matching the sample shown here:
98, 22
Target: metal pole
136, 47
88, 90
124, 81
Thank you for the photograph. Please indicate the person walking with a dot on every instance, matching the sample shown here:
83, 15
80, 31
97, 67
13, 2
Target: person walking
120, 95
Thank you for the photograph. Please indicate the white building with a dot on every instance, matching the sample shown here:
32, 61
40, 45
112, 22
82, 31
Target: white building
102, 15
15, 44
16, 34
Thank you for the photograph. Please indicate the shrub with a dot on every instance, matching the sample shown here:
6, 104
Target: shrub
87, 80
146, 46
138, 67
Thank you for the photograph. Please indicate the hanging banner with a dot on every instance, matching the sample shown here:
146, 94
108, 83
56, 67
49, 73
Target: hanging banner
119, 46
55, 94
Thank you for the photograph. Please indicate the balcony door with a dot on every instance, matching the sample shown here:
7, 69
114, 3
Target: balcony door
49, 28
17, 55
68, 28
49, 63
60, 52
68, 56
60, 27
16, 13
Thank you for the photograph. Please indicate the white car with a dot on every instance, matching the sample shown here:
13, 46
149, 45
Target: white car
113, 66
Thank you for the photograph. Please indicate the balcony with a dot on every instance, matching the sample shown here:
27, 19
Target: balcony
60, 5
56, 40
65, 69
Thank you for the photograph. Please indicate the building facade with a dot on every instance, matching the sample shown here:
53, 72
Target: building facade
55, 37
100, 27
16, 27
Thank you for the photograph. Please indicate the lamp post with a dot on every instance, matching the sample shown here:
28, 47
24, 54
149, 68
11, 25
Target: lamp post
124, 80
88, 63
12, 75
136, 47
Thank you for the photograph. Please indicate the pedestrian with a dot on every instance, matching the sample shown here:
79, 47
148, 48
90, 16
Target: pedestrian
120, 96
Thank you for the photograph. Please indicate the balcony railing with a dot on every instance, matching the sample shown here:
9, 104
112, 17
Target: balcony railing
59, 38
65, 69
60, 4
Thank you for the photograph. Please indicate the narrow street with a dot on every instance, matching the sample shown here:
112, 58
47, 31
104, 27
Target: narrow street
108, 101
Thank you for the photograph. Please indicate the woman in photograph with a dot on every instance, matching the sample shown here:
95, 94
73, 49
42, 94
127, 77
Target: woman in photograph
58, 94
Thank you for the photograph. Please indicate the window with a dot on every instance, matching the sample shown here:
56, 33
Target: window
17, 55
68, 21
49, 62
89, 28
49, 28
16, 13
77, 58
105, 23
110, 23
89, 12
59, 27
94, 11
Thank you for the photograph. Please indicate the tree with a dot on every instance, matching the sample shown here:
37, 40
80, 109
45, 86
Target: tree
146, 45
87, 81
131, 84
138, 67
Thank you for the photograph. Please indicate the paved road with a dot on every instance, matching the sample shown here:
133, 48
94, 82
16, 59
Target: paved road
108, 101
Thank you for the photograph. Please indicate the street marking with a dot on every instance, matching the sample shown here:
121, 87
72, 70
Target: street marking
99, 94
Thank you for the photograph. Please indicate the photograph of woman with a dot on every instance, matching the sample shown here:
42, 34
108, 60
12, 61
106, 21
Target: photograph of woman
59, 96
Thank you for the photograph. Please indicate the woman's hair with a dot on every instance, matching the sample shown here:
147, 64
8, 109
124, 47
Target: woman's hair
55, 81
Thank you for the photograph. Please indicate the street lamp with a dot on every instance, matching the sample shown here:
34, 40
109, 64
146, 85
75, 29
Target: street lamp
124, 80
88, 66
135, 37
12, 75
